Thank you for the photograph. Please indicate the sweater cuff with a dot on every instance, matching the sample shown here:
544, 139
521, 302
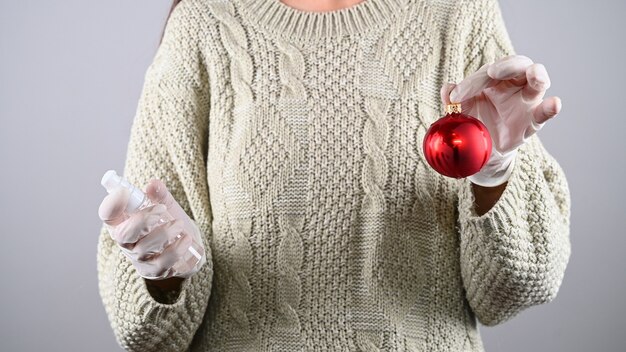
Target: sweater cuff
151, 309
167, 296
140, 320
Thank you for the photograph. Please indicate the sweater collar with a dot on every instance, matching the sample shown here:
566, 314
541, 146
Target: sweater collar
280, 19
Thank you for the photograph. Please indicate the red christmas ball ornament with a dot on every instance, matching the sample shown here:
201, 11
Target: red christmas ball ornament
457, 145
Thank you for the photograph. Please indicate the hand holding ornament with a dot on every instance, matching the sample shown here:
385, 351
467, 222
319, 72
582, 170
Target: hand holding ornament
507, 96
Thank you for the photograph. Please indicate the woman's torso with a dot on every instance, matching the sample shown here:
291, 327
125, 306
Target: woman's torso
330, 230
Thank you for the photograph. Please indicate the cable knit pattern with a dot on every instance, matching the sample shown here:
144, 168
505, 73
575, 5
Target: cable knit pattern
375, 135
243, 337
292, 100
235, 42
291, 71
374, 176
294, 140
289, 289
240, 292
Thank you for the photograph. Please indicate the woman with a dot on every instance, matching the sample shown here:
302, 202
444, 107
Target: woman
289, 133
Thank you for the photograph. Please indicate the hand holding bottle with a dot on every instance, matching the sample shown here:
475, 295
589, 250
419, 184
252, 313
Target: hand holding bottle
151, 229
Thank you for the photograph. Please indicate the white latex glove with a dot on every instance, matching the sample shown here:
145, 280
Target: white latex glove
507, 96
156, 239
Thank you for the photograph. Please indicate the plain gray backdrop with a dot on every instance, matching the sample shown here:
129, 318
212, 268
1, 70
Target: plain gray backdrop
70, 77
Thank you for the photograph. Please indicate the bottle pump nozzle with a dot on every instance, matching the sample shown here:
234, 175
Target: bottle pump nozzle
111, 181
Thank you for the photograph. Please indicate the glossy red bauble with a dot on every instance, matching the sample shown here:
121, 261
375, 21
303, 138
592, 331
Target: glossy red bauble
457, 145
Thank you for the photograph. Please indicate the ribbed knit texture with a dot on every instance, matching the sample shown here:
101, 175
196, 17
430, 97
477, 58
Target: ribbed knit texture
294, 140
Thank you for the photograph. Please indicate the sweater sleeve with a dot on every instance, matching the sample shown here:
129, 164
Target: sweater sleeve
168, 140
514, 256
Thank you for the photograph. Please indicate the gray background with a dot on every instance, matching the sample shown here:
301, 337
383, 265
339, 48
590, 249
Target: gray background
70, 76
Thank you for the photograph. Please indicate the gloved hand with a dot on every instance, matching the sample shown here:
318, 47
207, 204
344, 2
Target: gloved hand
157, 238
507, 96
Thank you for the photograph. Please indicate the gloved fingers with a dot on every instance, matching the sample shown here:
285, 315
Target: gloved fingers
517, 73
194, 231
472, 85
501, 93
158, 193
518, 81
157, 240
512, 67
547, 109
111, 210
140, 224
509, 67
160, 267
538, 82
466, 106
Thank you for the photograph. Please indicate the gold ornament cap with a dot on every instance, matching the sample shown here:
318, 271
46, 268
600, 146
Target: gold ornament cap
453, 108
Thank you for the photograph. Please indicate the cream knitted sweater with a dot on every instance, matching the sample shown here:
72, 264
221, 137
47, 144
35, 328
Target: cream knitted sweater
293, 139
